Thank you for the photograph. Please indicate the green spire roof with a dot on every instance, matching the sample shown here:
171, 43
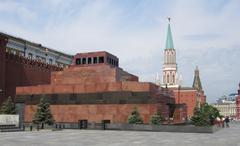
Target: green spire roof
169, 42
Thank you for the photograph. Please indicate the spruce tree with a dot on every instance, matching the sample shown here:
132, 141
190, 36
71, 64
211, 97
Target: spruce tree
43, 114
205, 115
8, 107
135, 117
156, 119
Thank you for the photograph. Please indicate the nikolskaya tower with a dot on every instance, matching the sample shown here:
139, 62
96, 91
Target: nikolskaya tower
170, 76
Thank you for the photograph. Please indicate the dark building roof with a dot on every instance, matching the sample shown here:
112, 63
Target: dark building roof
40, 46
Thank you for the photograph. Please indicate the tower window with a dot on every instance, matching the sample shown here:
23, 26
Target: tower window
78, 61
101, 59
108, 60
89, 60
94, 60
84, 61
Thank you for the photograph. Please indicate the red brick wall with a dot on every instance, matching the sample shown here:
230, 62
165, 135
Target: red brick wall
180, 114
189, 98
90, 74
86, 88
20, 71
117, 113
238, 106
2, 68
84, 75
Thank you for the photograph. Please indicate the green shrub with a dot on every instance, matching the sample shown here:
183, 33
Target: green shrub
135, 117
156, 119
8, 107
205, 116
43, 114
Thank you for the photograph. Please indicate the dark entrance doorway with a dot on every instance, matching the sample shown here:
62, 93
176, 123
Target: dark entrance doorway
83, 124
104, 122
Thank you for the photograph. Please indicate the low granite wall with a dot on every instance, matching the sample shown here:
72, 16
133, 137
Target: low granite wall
134, 127
94, 126
163, 128
9, 120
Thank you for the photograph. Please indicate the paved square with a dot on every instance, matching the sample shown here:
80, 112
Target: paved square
225, 137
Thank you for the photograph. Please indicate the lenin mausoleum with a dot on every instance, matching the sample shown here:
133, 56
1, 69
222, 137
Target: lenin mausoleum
95, 89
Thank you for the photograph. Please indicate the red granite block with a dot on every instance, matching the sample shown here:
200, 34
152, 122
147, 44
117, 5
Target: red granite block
63, 89
117, 86
36, 90
101, 87
27, 90
92, 109
108, 117
19, 90
135, 86
29, 112
95, 118
90, 88
79, 88
47, 89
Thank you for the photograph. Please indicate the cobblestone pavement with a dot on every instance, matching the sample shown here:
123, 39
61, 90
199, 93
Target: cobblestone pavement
225, 137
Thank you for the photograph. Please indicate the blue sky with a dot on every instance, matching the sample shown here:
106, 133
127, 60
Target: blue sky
205, 33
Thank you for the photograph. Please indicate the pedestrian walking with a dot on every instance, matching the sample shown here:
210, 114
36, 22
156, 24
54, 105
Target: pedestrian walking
218, 121
222, 122
227, 121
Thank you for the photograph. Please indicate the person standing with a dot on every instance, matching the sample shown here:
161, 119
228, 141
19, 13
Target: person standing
222, 122
227, 121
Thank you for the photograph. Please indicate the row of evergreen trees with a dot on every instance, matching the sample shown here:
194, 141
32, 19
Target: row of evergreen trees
203, 116
135, 118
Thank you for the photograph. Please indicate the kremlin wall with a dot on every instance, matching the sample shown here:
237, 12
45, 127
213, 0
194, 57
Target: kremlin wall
17, 70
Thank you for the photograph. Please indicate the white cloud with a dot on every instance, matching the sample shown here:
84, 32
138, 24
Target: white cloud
137, 35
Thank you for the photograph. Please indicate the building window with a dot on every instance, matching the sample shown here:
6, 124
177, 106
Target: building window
78, 61
30, 55
8, 50
167, 78
60, 64
39, 58
84, 61
43, 59
89, 60
95, 60
50, 61
101, 59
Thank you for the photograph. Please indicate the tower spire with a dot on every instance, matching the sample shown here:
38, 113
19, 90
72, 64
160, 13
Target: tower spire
197, 82
170, 77
169, 41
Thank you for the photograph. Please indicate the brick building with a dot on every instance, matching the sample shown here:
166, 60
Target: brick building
94, 88
238, 104
190, 96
